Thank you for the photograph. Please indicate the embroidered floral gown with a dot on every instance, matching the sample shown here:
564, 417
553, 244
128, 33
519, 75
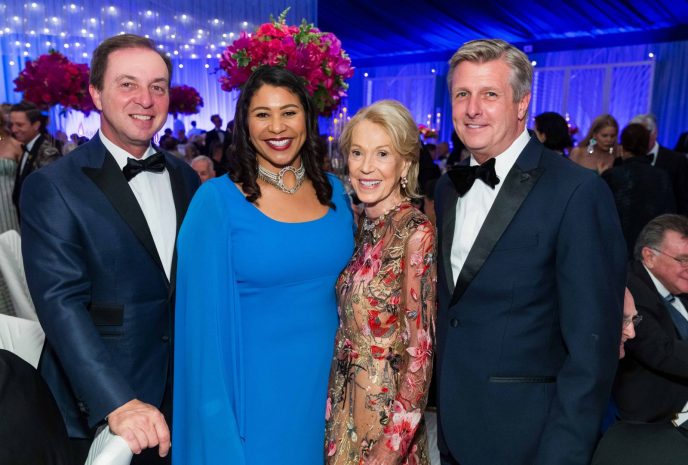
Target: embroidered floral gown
382, 361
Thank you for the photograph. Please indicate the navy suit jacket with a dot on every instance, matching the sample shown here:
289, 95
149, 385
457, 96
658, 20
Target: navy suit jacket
98, 284
528, 335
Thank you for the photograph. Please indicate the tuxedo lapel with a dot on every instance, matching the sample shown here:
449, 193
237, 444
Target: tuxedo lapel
111, 181
517, 185
181, 203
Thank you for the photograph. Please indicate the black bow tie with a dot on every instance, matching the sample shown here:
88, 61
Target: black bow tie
463, 176
25, 148
154, 163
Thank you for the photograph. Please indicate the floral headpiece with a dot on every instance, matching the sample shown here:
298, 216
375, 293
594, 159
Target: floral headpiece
317, 57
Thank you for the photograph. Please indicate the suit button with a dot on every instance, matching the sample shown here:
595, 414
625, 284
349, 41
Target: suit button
454, 322
165, 338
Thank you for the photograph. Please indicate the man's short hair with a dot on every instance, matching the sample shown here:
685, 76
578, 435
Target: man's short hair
653, 233
200, 158
648, 120
33, 113
119, 42
486, 50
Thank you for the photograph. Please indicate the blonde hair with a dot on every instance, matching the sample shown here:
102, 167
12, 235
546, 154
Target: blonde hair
398, 123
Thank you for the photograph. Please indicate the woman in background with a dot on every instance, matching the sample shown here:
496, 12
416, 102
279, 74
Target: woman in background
598, 150
382, 363
259, 254
10, 151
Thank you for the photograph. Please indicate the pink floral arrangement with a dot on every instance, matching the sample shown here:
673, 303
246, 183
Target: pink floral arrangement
52, 79
317, 57
185, 100
426, 132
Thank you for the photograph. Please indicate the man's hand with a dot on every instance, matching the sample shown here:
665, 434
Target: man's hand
141, 425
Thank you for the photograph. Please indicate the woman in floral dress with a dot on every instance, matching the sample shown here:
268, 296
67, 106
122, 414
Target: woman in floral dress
382, 361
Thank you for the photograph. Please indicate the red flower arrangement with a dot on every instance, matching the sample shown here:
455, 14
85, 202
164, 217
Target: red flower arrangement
52, 79
426, 132
185, 100
317, 57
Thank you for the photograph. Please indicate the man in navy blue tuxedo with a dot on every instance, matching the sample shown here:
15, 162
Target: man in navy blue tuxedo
531, 280
98, 236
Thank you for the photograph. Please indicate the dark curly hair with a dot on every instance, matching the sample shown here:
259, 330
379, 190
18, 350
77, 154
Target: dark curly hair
243, 166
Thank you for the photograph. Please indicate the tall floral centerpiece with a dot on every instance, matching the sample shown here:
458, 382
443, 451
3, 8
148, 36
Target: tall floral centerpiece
317, 57
52, 79
184, 100
427, 133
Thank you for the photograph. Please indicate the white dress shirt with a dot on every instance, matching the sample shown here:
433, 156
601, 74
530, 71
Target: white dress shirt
153, 191
664, 292
473, 207
654, 151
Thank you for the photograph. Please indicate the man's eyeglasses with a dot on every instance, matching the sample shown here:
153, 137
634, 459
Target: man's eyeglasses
683, 261
635, 320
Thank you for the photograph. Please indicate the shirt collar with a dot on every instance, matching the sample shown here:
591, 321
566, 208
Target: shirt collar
663, 291
505, 160
31, 143
119, 153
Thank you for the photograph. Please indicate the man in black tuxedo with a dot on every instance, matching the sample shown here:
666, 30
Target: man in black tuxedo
674, 163
215, 135
531, 271
641, 191
98, 241
28, 127
652, 380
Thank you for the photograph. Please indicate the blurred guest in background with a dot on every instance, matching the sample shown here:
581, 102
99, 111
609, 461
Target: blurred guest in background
458, 153
203, 166
597, 151
641, 192
673, 163
10, 151
28, 127
553, 131
386, 295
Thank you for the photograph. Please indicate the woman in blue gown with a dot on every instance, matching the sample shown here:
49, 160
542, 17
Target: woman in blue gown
258, 255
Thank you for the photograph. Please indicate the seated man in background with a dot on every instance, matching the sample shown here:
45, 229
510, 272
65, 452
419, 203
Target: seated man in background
203, 166
652, 380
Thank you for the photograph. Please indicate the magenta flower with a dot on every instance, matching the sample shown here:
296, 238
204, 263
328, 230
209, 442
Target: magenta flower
317, 57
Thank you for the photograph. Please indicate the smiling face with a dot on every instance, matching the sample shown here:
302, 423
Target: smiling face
134, 99
672, 274
277, 127
22, 128
375, 168
484, 113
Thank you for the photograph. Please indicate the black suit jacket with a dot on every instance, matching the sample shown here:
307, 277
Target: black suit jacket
98, 284
42, 153
641, 193
212, 136
528, 334
652, 381
676, 166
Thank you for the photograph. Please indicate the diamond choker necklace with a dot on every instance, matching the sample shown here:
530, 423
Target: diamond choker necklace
277, 180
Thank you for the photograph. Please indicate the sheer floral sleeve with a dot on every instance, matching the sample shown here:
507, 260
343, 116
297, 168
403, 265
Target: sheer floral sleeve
418, 331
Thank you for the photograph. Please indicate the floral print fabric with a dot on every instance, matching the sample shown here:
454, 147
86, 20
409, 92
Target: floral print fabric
382, 361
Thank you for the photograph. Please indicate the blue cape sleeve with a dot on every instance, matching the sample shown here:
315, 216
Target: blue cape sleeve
208, 416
